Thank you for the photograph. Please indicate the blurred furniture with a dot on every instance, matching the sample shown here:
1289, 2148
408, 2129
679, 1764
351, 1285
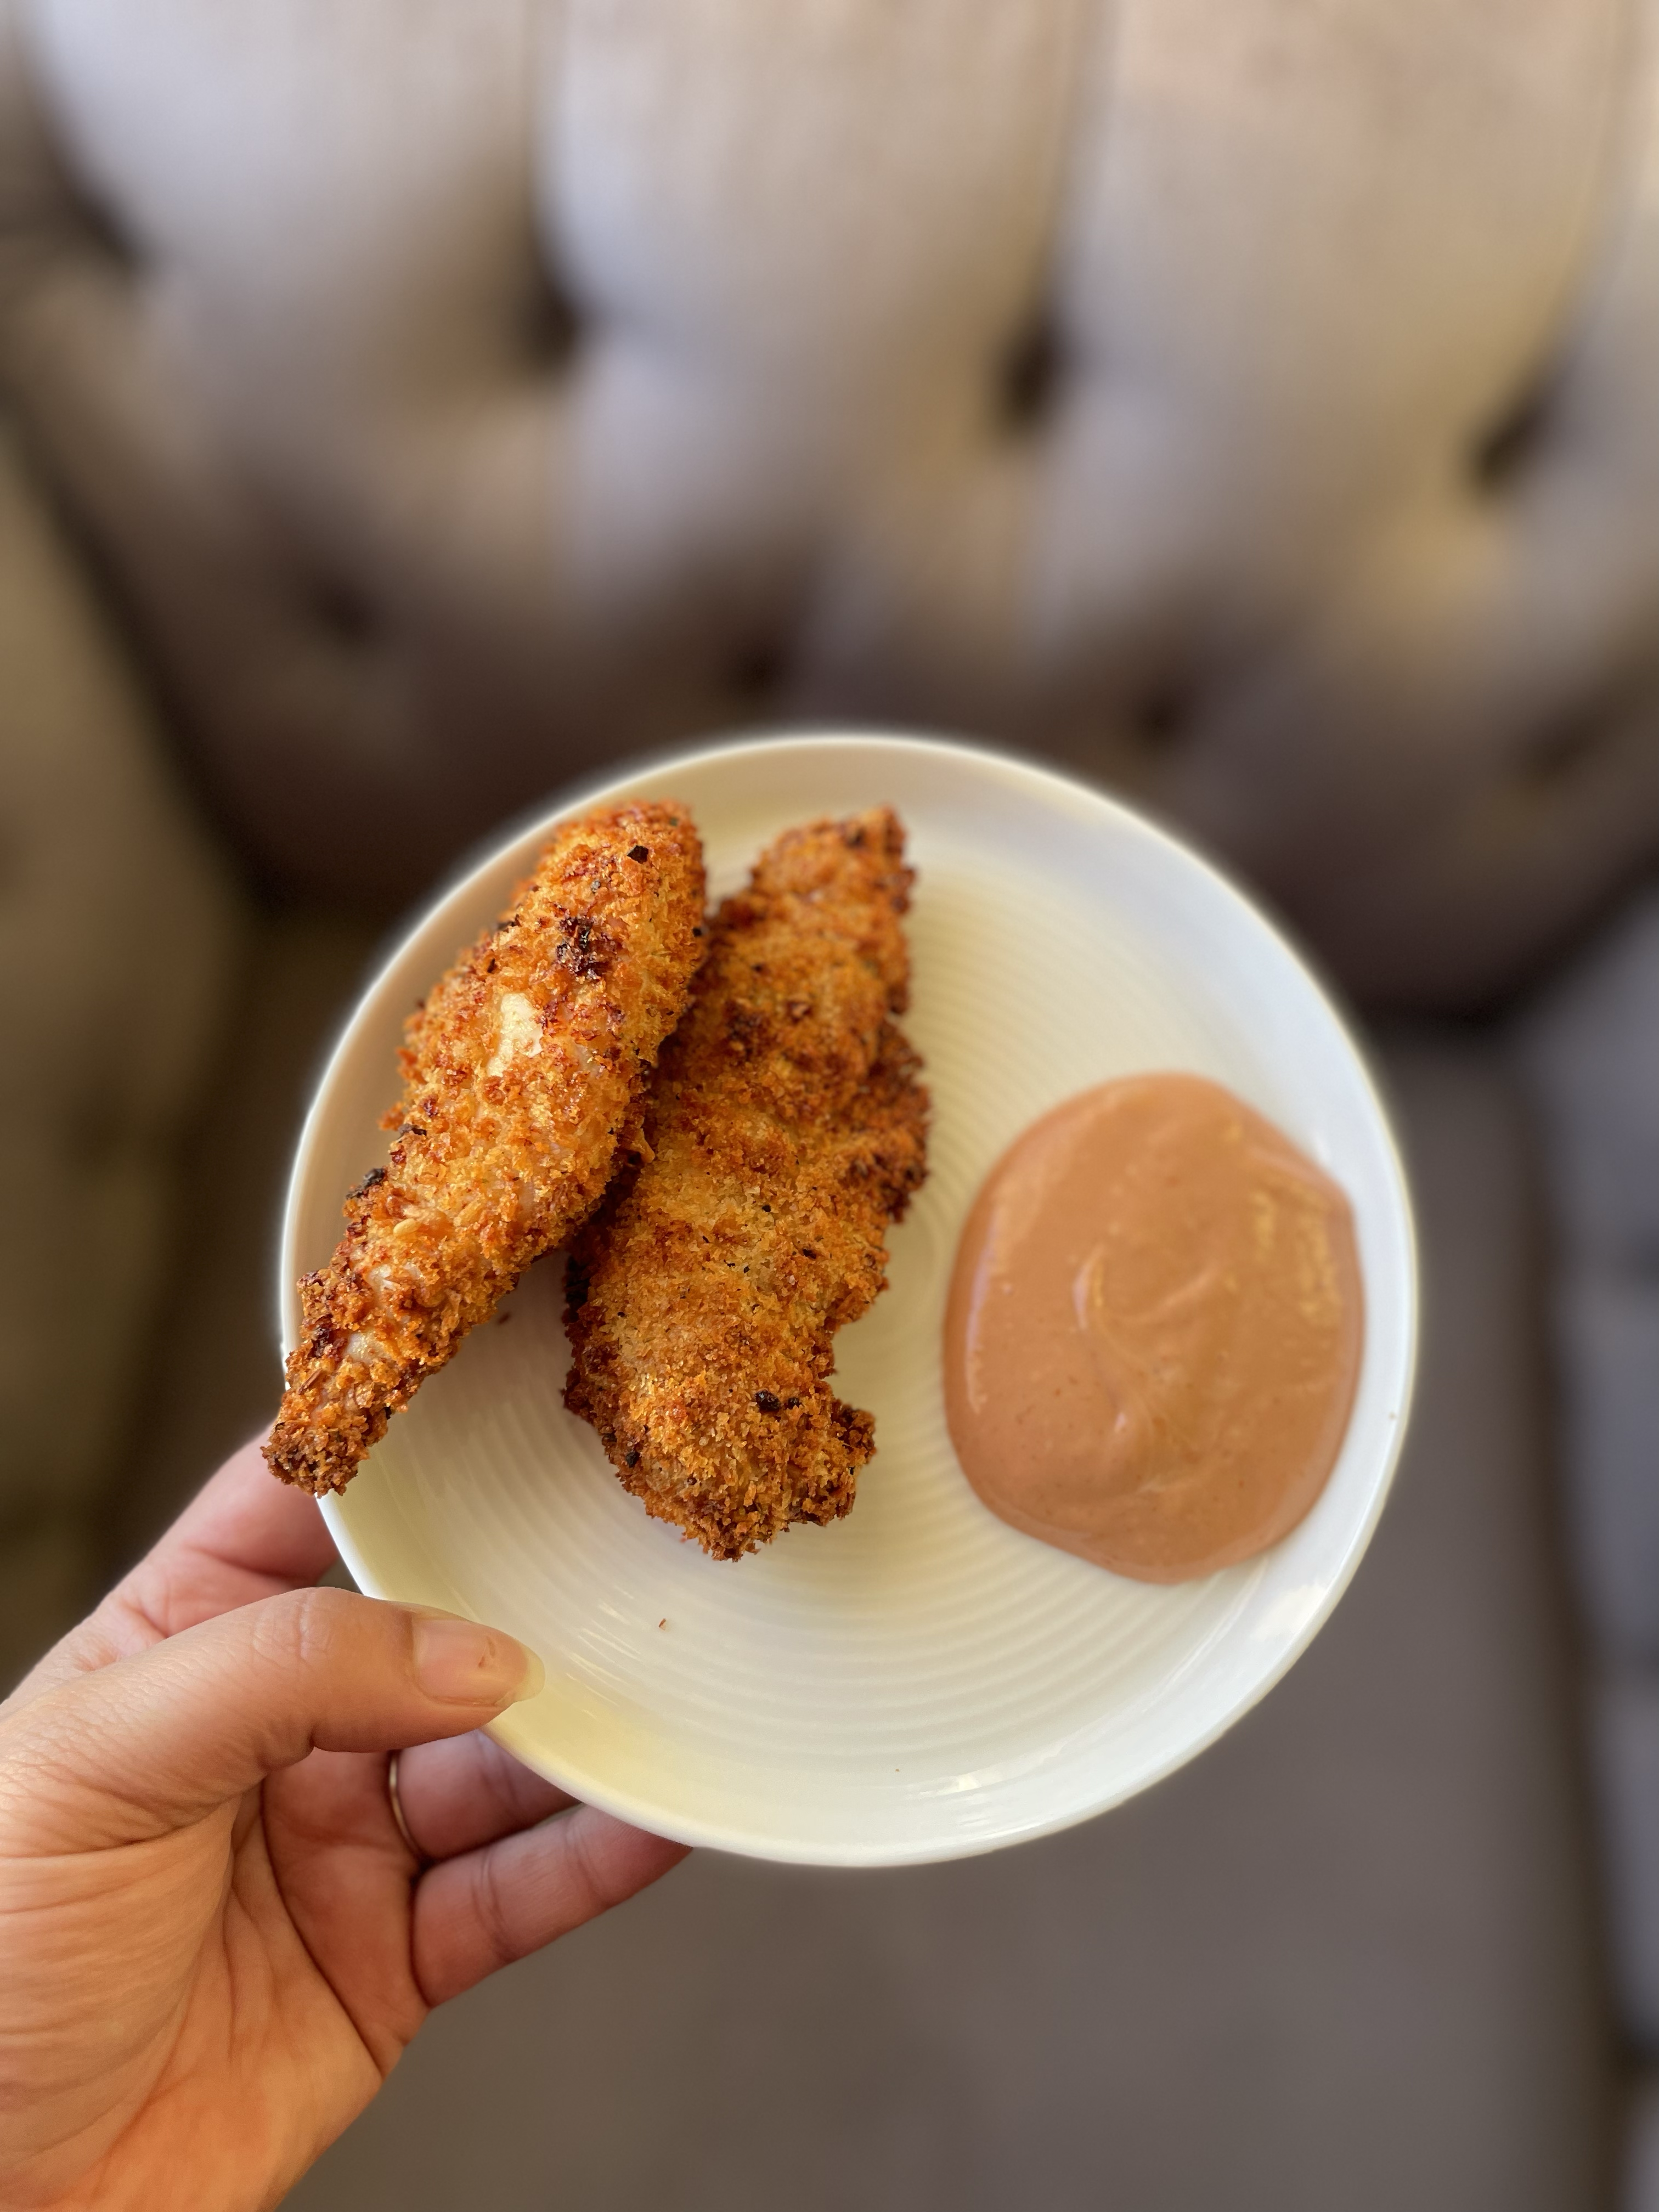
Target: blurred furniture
1589, 1046
1251, 404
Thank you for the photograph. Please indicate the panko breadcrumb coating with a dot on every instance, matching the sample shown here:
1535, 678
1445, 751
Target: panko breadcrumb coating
785, 1129
524, 1073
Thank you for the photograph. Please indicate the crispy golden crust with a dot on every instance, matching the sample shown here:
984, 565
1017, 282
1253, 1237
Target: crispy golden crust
523, 1075
788, 1129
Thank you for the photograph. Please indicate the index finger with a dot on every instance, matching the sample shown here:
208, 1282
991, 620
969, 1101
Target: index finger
242, 1526
244, 1536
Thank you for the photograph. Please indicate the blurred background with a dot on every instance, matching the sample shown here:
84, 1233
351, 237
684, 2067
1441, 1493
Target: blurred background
1253, 405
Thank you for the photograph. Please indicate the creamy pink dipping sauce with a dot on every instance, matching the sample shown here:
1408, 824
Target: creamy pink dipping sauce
1154, 1330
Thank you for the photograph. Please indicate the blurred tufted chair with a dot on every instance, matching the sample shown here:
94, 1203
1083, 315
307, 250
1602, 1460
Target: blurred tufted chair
1252, 403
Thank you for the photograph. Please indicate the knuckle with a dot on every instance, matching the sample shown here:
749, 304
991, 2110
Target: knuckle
593, 1890
513, 1791
494, 1917
300, 1630
495, 1788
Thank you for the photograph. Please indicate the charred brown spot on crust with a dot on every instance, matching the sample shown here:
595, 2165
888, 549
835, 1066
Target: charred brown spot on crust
639, 852
742, 1026
820, 1123
585, 949
377, 1293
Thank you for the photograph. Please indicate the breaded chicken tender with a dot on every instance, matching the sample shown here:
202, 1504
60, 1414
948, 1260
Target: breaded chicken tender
524, 1076
785, 1129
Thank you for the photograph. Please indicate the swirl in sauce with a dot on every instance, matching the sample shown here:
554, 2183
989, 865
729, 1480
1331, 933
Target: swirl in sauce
1154, 1330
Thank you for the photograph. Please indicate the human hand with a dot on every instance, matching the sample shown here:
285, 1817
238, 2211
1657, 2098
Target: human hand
215, 1941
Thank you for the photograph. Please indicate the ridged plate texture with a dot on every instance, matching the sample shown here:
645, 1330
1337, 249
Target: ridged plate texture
918, 1681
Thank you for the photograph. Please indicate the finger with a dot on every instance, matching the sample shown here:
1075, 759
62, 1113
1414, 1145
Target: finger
482, 1911
244, 1522
244, 1536
154, 1741
468, 1791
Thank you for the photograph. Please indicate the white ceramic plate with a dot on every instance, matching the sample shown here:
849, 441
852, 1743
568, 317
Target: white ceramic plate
919, 1681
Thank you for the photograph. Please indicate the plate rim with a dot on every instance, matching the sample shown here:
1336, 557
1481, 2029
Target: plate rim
1079, 798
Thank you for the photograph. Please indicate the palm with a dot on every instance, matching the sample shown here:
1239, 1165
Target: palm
227, 1996
281, 2002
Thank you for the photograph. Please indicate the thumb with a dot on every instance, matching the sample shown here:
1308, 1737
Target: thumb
158, 1740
